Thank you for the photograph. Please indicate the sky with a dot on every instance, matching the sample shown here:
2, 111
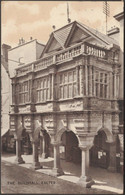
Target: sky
35, 18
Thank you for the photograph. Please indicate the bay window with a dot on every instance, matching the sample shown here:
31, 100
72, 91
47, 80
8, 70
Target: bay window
101, 84
23, 92
67, 84
42, 89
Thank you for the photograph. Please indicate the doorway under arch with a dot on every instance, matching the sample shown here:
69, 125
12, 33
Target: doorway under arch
99, 153
26, 145
44, 146
70, 150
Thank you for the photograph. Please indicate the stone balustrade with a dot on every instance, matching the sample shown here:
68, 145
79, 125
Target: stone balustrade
63, 56
96, 51
24, 69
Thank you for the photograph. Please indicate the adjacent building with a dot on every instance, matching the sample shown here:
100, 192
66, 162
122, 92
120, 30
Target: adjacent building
11, 58
66, 102
118, 34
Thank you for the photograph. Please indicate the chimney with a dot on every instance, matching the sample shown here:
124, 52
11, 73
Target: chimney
21, 41
54, 27
5, 49
31, 38
113, 31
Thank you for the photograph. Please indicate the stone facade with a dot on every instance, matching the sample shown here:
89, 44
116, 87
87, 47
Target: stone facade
74, 89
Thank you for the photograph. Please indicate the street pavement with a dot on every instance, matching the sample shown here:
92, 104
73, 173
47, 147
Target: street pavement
20, 180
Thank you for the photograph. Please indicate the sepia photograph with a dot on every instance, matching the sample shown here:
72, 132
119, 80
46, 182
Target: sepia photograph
62, 97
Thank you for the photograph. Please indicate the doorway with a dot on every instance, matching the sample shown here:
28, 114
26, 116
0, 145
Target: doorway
99, 153
26, 145
45, 146
69, 150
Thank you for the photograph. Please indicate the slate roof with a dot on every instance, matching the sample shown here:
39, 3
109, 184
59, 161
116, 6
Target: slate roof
100, 35
62, 33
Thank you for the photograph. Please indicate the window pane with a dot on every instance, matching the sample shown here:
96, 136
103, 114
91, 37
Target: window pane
38, 84
70, 79
105, 91
22, 98
47, 82
47, 94
61, 92
74, 75
101, 90
101, 77
44, 84
70, 90
97, 89
74, 90
25, 86
61, 79
97, 76
41, 84
65, 78
65, 91
105, 78
44, 94
19, 87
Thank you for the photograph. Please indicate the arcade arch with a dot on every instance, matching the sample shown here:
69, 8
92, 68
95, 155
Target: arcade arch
70, 147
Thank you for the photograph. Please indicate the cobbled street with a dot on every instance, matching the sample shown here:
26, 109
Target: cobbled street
19, 180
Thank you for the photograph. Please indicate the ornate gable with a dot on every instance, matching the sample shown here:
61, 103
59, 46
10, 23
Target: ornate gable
76, 32
55, 45
78, 35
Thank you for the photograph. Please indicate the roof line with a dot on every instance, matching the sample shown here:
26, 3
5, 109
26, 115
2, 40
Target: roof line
41, 43
55, 36
64, 26
92, 33
24, 44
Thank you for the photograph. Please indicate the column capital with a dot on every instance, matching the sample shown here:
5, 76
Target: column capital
86, 140
85, 148
56, 143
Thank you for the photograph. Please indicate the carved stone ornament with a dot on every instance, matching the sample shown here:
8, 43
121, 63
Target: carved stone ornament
86, 140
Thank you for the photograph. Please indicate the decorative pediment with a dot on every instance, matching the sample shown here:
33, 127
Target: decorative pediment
76, 32
78, 35
54, 45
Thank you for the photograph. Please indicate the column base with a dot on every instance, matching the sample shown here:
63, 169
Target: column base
19, 160
57, 172
86, 182
44, 155
112, 169
36, 166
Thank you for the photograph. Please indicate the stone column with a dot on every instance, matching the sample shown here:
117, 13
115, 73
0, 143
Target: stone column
36, 163
40, 147
50, 86
85, 180
57, 170
114, 85
44, 152
117, 87
108, 81
81, 81
90, 80
112, 157
77, 79
94, 86
52, 95
110, 85
86, 79
98, 85
19, 159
